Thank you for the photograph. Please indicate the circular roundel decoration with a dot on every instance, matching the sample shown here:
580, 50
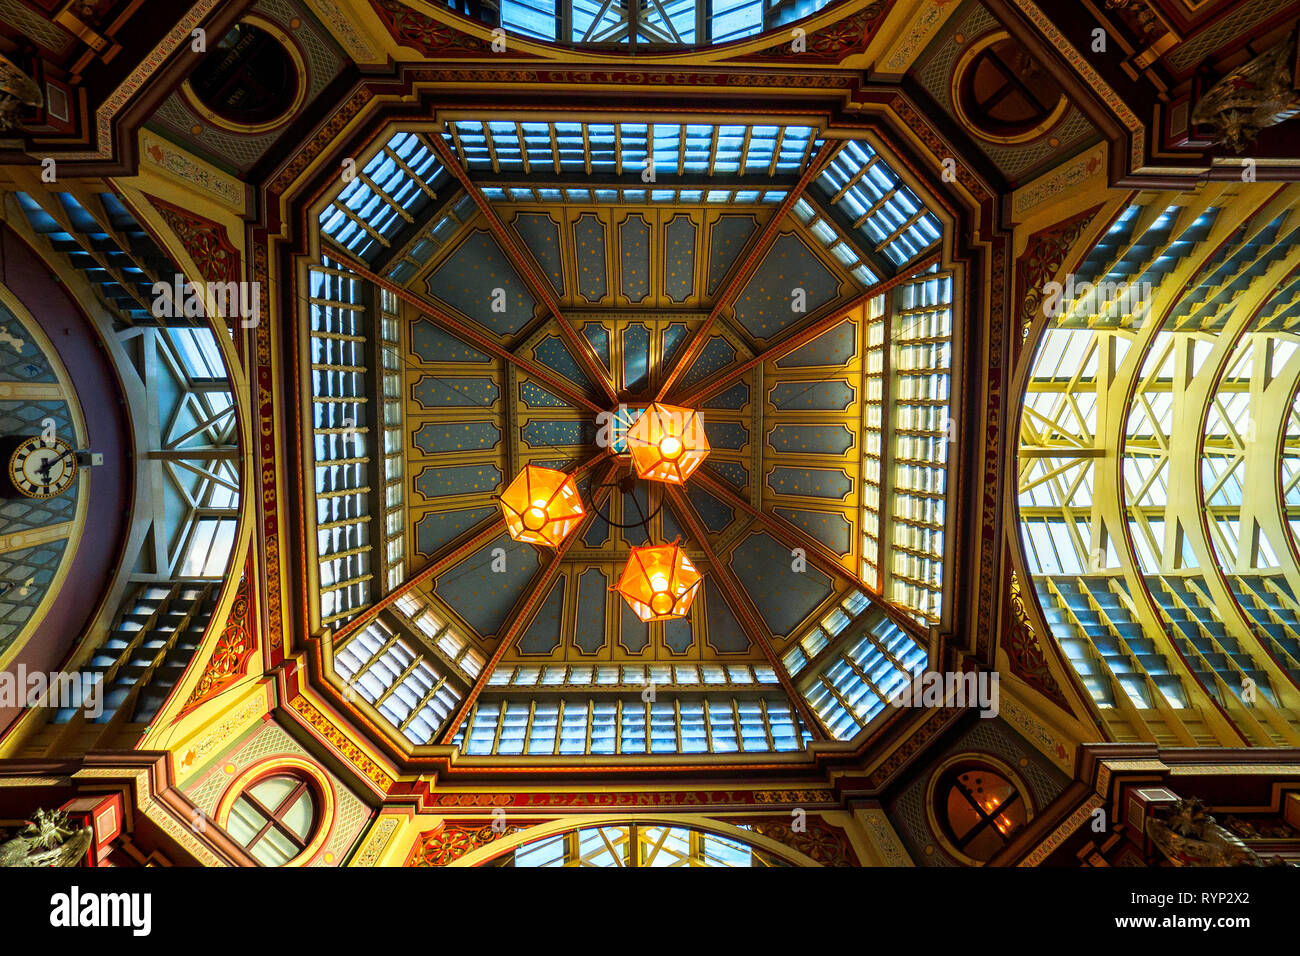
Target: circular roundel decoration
1002, 94
976, 804
42, 467
250, 79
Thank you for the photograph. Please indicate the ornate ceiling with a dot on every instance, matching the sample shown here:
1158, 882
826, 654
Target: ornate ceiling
533, 278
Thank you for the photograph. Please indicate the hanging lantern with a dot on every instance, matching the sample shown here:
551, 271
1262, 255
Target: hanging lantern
659, 582
541, 506
667, 443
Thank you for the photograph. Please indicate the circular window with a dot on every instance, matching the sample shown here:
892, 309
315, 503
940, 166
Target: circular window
250, 79
274, 818
976, 807
1002, 94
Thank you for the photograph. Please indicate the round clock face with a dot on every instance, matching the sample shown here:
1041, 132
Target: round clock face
43, 469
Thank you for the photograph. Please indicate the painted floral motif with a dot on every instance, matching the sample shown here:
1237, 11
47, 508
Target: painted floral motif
451, 841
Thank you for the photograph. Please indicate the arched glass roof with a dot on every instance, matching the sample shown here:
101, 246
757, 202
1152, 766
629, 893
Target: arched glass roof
1156, 522
640, 22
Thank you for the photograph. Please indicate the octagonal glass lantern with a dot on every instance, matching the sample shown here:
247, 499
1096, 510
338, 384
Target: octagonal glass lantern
667, 443
659, 582
541, 506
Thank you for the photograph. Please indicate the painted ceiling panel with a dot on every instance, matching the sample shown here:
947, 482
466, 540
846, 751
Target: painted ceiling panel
555, 355
541, 235
598, 336
679, 258
715, 514
437, 529
434, 391
633, 633
679, 635
559, 433
535, 396
478, 281
729, 435
634, 252
589, 629
725, 633
831, 528
826, 396
542, 635
597, 533
771, 301
830, 483
732, 397
675, 338
481, 595
435, 483
717, 354
785, 597
433, 439
635, 507
733, 473
830, 440
833, 347
727, 237
636, 358
431, 343
589, 245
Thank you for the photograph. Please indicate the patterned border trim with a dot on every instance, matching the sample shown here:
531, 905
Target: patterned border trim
377, 842
179, 34
616, 800
1062, 833
1043, 257
342, 743
175, 161
881, 833
912, 745
264, 377
222, 732
340, 24
1069, 174
1137, 130
923, 25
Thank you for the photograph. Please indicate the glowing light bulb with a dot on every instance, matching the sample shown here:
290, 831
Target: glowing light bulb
659, 583
534, 518
670, 447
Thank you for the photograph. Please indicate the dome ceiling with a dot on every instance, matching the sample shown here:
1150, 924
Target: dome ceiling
533, 278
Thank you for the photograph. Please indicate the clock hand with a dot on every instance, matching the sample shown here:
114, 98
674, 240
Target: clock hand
44, 470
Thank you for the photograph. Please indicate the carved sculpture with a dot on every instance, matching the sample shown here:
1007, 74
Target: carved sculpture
48, 840
17, 91
1256, 95
1188, 836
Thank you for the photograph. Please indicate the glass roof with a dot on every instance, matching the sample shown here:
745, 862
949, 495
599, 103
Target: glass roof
486, 288
1159, 538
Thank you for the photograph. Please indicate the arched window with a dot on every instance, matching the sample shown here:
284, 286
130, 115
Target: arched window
274, 818
638, 845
